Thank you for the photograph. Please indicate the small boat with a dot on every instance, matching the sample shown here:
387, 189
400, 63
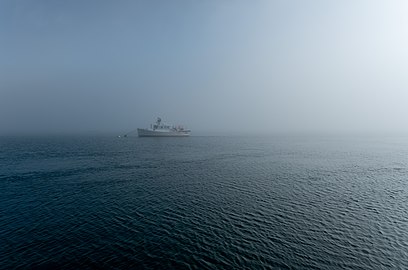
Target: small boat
160, 129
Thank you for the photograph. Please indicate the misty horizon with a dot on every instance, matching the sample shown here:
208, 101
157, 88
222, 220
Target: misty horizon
293, 115
99, 67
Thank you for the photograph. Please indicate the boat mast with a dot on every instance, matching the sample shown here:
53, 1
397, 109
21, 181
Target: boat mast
158, 121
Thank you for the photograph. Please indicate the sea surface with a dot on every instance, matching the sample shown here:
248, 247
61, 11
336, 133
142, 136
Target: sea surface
204, 203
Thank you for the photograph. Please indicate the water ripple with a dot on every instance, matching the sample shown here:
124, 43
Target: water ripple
203, 203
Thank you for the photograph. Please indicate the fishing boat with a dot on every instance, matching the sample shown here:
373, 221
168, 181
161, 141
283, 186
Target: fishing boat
160, 129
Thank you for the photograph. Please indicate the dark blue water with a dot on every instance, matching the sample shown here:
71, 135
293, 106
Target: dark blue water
204, 203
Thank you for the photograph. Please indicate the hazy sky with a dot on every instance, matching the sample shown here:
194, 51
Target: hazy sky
215, 66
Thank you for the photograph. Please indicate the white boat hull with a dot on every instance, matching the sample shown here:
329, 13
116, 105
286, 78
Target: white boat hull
141, 132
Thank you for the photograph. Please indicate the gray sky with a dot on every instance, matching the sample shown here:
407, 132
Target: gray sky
215, 66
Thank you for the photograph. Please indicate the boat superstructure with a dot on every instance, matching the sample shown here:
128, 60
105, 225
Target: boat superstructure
160, 129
